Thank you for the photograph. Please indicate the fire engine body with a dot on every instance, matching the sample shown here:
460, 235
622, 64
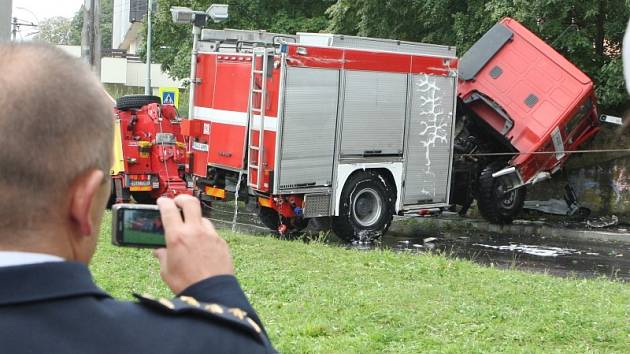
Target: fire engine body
149, 151
350, 126
356, 130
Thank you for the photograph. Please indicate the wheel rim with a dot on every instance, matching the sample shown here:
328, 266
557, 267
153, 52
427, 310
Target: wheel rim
506, 200
367, 207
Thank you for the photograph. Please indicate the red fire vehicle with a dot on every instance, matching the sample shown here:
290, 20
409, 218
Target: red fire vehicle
149, 151
521, 98
354, 130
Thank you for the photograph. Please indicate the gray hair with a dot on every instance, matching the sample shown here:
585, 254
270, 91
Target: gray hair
56, 123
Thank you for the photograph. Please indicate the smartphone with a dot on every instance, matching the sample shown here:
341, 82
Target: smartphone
137, 225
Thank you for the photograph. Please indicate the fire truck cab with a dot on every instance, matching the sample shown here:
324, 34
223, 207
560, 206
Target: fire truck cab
340, 128
522, 105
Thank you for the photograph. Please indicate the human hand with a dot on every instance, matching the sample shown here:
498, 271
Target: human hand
194, 251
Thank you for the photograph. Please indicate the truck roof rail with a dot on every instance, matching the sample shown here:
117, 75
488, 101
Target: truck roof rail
239, 40
379, 44
260, 37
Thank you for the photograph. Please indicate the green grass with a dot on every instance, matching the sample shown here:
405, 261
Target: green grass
315, 298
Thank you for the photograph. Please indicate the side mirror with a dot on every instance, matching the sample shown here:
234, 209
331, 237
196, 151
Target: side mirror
611, 119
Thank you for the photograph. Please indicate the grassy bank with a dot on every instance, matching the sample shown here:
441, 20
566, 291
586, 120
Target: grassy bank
324, 299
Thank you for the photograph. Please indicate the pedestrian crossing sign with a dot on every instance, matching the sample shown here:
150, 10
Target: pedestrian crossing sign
170, 96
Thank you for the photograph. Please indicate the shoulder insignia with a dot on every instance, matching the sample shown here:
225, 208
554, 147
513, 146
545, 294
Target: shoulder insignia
188, 305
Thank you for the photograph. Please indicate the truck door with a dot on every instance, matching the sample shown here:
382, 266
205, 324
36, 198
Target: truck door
429, 140
308, 128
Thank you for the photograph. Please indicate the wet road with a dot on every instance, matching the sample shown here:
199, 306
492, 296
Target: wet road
525, 252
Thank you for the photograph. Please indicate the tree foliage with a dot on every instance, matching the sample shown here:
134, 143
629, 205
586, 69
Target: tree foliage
589, 32
55, 30
172, 42
105, 24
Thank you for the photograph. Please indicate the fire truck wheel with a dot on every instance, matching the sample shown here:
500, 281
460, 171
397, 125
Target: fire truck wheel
495, 205
135, 101
143, 197
269, 217
366, 210
112, 197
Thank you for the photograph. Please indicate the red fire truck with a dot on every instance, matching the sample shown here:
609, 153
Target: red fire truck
149, 151
354, 130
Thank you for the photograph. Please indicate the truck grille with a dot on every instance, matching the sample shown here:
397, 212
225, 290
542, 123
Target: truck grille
316, 205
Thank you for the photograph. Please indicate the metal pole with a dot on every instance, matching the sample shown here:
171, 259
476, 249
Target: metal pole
96, 34
15, 29
147, 86
90, 36
193, 71
5, 20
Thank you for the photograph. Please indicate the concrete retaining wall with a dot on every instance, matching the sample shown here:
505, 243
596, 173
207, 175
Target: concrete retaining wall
601, 181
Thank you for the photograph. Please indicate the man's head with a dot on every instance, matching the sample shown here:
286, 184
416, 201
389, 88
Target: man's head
56, 129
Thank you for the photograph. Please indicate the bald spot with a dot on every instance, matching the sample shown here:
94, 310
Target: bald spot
56, 123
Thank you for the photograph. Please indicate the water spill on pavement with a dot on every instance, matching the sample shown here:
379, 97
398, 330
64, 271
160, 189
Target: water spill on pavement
526, 252
532, 253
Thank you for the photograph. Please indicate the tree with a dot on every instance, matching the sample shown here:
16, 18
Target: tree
172, 43
589, 33
107, 8
55, 30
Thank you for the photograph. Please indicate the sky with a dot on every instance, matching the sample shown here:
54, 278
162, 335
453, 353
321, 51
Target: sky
37, 10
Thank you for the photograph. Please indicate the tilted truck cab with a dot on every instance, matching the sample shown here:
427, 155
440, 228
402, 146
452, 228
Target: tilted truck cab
522, 98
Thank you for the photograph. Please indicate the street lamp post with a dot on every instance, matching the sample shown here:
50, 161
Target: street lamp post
147, 85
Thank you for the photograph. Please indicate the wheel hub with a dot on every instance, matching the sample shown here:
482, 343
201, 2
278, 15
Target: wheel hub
507, 199
367, 207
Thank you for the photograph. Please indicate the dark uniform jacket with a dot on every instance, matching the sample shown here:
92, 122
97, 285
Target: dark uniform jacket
56, 308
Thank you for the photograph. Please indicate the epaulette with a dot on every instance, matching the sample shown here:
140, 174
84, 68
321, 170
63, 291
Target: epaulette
183, 305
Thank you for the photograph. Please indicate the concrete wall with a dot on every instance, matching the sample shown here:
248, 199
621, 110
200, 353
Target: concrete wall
136, 76
129, 73
601, 181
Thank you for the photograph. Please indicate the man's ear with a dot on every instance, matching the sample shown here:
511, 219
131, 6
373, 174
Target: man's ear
84, 191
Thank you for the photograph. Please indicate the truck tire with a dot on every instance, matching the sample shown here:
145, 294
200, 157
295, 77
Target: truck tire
271, 219
135, 101
112, 196
495, 205
366, 208
143, 197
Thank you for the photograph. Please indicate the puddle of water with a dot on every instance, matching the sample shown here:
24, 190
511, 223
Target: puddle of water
563, 258
531, 253
541, 251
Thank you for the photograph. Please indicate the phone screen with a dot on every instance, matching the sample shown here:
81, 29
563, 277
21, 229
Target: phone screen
140, 228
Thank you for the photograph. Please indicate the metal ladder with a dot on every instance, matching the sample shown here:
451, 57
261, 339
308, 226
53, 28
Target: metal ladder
256, 150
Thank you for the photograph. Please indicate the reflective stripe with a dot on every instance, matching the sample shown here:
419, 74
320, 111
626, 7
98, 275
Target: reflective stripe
233, 118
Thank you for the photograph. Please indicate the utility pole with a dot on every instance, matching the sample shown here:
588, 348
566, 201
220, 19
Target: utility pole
5, 20
91, 35
147, 85
14, 29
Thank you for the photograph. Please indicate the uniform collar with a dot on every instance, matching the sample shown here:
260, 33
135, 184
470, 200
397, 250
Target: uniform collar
15, 258
46, 281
